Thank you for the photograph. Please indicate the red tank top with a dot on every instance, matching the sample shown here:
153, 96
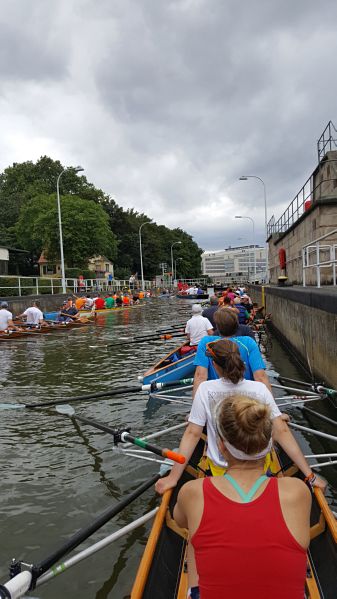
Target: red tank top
246, 550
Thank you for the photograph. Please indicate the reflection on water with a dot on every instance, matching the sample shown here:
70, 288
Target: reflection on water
57, 474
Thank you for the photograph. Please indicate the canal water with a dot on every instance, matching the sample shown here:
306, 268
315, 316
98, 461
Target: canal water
56, 476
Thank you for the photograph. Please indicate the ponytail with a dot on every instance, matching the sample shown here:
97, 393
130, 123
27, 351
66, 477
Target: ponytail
225, 354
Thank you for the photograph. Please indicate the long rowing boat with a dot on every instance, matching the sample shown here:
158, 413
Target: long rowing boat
193, 296
175, 365
10, 335
161, 573
53, 315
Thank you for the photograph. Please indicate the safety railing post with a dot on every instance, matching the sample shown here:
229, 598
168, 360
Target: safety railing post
37, 285
19, 286
318, 270
303, 266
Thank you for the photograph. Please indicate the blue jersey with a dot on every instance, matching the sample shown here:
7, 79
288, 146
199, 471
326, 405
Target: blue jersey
248, 349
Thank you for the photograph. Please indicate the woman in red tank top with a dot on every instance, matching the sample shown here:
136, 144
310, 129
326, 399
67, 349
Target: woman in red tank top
249, 532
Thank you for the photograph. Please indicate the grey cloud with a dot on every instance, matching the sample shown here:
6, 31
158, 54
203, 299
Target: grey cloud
180, 98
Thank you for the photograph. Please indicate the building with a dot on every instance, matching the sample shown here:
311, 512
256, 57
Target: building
4, 259
99, 265
235, 264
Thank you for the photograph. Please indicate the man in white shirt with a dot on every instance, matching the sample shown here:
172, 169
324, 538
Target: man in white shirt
198, 326
34, 316
6, 317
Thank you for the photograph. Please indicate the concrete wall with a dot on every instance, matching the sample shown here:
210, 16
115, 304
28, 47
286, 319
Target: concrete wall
320, 219
48, 303
307, 319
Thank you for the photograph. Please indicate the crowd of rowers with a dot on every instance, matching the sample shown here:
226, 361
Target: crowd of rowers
249, 530
69, 311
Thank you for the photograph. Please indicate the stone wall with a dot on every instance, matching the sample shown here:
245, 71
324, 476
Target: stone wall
307, 319
48, 303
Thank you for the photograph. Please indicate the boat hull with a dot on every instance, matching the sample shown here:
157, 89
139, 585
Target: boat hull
194, 297
166, 371
54, 315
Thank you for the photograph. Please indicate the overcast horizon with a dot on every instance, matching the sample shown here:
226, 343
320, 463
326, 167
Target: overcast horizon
166, 105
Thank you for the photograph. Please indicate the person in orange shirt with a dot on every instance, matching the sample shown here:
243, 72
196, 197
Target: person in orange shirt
80, 302
126, 300
141, 295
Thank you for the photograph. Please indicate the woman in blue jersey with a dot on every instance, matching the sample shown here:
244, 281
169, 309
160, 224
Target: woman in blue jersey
227, 325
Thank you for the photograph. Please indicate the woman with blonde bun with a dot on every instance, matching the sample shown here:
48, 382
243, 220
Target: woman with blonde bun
249, 532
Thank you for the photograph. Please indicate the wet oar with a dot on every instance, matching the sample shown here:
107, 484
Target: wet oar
119, 391
80, 536
122, 436
145, 339
319, 416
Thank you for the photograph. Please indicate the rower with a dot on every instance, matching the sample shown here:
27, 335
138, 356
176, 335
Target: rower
109, 302
89, 302
198, 326
80, 302
99, 303
6, 318
68, 311
33, 315
243, 314
209, 312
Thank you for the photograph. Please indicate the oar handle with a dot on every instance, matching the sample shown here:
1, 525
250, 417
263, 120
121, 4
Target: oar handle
165, 453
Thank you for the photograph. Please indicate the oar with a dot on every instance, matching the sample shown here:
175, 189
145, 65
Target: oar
87, 531
119, 391
145, 340
122, 436
312, 431
320, 416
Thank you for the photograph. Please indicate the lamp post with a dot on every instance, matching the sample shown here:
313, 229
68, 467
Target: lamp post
174, 243
244, 178
175, 266
252, 221
77, 169
148, 222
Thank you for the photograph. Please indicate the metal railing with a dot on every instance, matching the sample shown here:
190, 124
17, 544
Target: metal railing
22, 286
316, 255
297, 207
328, 141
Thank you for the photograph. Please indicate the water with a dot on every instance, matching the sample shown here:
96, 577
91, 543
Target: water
57, 476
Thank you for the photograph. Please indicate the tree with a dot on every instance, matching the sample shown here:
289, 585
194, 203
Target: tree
85, 228
22, 182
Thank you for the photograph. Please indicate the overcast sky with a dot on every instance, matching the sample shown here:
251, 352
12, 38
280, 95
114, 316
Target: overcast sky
167, 102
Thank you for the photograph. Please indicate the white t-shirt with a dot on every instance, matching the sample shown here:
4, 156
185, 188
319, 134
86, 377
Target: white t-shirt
88, 302
197, 328
210, 393
34, 315
5, 316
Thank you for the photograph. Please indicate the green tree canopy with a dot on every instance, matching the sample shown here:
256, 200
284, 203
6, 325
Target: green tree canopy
85, 228
22, 182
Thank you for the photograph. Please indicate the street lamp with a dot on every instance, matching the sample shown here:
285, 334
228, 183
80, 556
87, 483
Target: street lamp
252, 221
148, 222
175, 266
174, 243
244, 178
76, 169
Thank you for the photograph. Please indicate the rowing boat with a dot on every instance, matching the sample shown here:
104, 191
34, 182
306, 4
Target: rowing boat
60, 326
161, 572
174, 366
54, 315
193, 296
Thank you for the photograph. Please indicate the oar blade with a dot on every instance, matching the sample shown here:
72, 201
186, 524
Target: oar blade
65, 409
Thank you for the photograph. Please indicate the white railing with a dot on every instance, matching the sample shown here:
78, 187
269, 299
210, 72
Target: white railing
316, 255
44, 285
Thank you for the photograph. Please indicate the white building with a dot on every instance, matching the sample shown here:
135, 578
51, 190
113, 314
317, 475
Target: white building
235, 264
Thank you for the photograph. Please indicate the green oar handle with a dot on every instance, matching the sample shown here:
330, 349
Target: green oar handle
165, 453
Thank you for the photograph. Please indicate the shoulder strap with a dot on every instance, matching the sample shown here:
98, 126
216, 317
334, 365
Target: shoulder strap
246, 497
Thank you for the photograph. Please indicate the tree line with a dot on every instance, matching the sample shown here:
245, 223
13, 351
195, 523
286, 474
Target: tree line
92, 224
